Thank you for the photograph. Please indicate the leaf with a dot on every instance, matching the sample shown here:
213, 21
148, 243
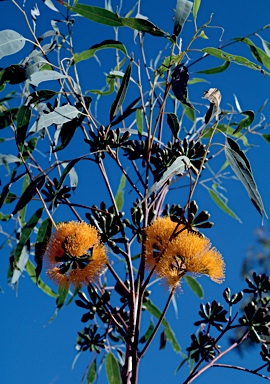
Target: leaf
50, 5
119, 198
20, 264
121, 94
97, 14
232, 58
241, 167
148, 333
178, 167
8, 117
43, 236
70, 171
67, 132
258, 53
266, 137
196, 7
62, 295
143, 25
39, 77
246, 122
139, 120
266, 45
195, 286
221, 204
30, 269
219, 69
39, 96
173, 123
151, 308
29, 193
92, 373
103, 45
59, 116
112, 370
183, 9
7, 159
10, 42
23, 118
179, 83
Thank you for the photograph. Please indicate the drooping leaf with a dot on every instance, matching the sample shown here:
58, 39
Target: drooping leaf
266, 45
119, 198
92, 373
39, 96
257, 52
66, 171
112, 370
20, 264
139, 120
73, 176
173, 123
67, 131
194, 286
39, 77
7, 117
183, 9
60, 115
30, 269
14, 74
222, 204
151, 308
10, 42
127, 112
266, 137
50, 5
43, 236
148, 333
121, 94
23, 119
97, 14
29, 193
179, 82
241, 167
143, 25
233, 58
246, 122
103, 45
7, 159
62, 295
219, 69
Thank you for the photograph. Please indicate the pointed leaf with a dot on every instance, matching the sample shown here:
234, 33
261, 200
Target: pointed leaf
151, 308
112, 370
222, 204
60, 115
233, 58
66, 171
194, 286
183, 9
103, 45
148, 333
121, 94
97, 14
30, 269
10, 42
258, 53
7, 159
119, 198
219, 69
39, 77
92, 373
179, 82
39, 96
23, 118
62, 295
43, 235
20, 264
246, 122
241, 167
139, 120
196, 7
67, 132
143, 25
29, 193
173, 123
8, 117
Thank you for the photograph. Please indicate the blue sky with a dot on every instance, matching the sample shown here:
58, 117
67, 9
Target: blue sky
34, 350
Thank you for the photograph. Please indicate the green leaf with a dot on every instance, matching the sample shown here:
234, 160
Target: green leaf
183, 9
29, 193
121, 94
10, 42
67, 132
7, 159
139, 120
97, 14
103, 45
32, 274
8, 117
92, 373
266, 137
221, 204
119, 198
20, 264
219, 69
112, 370
203, 35
148, 333
233, 58
196, 7
66, 171
173, 123
23, 119
40, 96
228, 130
241, 167
258, 53
195, 286
143, 25
151, 308
266, 45
46, 75
190, 113
62, 295
246, 122
43, 235
4, 217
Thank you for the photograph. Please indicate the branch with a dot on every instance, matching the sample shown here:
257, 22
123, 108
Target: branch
243, 369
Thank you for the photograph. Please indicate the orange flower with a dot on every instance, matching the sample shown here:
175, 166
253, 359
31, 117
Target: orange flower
74, 254
173, 256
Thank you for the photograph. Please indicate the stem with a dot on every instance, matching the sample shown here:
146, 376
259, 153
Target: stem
243, 369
